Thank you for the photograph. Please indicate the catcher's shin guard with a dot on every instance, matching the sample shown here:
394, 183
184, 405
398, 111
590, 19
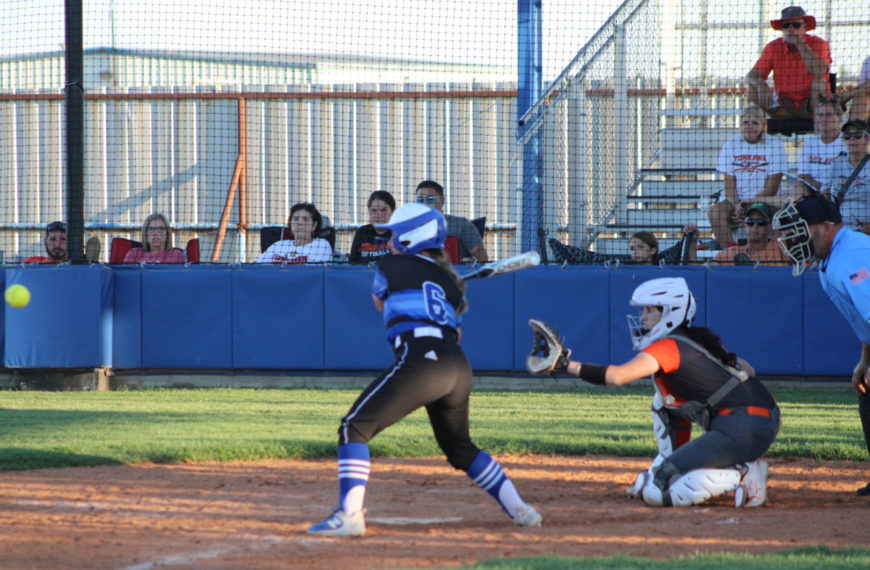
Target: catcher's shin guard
671, 432
636, 490
693, 488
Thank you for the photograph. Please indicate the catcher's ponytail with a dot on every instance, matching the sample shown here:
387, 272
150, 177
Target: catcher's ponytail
710, 341
443, 260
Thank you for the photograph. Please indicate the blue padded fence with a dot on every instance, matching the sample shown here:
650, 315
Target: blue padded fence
312, 318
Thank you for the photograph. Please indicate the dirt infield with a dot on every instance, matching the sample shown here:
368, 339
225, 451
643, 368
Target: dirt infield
420, 513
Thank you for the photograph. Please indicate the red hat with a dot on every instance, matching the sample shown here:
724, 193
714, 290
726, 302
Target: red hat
793, 13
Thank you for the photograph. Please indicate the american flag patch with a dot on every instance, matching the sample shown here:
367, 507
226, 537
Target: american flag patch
859, 276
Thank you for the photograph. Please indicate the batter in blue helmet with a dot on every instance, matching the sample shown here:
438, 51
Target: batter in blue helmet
422, 299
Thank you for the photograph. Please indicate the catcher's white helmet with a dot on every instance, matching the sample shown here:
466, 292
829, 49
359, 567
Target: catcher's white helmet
677, 304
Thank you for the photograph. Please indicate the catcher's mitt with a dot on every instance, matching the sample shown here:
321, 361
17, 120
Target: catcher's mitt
548, 354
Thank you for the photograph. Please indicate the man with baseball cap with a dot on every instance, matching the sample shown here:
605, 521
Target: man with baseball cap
55, 245
812, 229
759, 247
800, 64
848, 181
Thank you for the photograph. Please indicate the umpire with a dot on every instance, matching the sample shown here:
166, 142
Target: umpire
812, 229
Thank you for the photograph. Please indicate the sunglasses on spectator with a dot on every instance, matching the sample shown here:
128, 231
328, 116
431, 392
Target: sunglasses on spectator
755, 222
55, 226
427, 199
853, 135
795, 25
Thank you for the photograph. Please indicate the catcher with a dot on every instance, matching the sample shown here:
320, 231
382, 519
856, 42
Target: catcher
696, 380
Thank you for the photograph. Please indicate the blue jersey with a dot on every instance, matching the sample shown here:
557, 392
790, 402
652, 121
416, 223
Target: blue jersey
416, 292
845, 277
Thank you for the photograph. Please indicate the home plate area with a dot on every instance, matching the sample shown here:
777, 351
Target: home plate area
420, 512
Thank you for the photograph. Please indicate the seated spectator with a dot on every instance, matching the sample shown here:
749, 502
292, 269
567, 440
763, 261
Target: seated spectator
55, 245
848, 183
369, 241
760, 246
644, 248
305, 221
820, 150
860, 95
156, 243
752, 164
800, 64
471, 246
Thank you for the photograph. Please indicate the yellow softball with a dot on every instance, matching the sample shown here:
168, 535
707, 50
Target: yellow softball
17, 296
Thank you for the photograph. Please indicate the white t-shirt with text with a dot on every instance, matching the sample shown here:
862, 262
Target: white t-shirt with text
816, 157
751, 164
317, 251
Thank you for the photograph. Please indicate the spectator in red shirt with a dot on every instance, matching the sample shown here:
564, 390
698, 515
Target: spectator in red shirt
55, 245
800, 64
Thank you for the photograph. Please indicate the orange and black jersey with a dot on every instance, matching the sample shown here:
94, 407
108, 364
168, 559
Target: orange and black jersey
687, 374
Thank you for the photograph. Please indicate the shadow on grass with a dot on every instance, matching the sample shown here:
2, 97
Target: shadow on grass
16, 459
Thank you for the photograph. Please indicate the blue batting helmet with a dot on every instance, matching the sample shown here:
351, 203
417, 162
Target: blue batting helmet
416, 227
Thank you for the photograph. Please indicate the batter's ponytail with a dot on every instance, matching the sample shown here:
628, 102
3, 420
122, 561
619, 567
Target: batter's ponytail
443, 260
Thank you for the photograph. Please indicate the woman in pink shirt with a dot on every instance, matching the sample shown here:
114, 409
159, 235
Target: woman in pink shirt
156, 243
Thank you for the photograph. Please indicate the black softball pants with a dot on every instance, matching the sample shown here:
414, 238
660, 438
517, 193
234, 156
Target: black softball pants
428, 372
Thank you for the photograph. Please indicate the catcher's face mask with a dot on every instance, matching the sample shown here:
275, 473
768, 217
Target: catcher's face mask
647, 317
795, 238
650, 316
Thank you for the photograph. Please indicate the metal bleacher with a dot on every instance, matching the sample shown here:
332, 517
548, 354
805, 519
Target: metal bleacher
680, 183
675, 189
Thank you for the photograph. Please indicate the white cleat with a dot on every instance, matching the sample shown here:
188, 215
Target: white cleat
527, 516
340, 523
752, 490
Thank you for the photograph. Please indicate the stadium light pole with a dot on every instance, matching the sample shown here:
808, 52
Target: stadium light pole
74, 97
530, 69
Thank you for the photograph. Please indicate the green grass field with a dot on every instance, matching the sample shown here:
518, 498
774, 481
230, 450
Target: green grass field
51, 429
799, 559
47, 429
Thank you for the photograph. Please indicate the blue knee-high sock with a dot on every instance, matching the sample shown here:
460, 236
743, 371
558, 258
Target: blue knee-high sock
353, 473
489, 476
